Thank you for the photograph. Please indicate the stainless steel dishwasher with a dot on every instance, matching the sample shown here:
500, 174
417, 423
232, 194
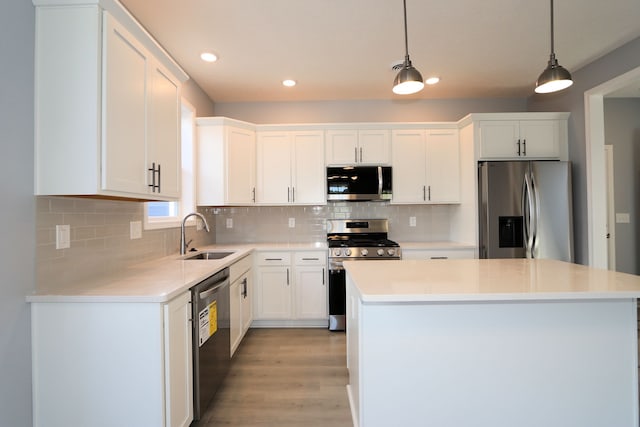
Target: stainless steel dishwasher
211, 342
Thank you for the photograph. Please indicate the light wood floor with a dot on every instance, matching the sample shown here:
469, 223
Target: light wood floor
284, 377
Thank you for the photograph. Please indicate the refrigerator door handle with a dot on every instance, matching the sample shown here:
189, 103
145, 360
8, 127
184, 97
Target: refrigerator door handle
536, 217
527, 212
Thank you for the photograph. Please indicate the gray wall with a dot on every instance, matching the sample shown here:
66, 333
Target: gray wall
428, 110
17, 245
622, 130
618, 62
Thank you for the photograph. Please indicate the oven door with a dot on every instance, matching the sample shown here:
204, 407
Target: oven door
337, 298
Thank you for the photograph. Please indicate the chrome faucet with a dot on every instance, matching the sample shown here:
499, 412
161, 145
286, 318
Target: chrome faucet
183, 243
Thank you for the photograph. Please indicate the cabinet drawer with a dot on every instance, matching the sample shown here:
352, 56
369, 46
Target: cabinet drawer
239, 267
273, 258
438, 254
311, 258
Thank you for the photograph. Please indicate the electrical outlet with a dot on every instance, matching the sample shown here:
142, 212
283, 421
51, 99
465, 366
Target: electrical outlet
623, 218
412, 221
292, 222
135, 230
63, 236
229, 222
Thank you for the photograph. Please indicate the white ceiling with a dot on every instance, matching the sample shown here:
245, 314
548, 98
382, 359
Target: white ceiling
344, 49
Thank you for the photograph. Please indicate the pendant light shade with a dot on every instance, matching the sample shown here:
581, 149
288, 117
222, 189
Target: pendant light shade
555, 77
409, 80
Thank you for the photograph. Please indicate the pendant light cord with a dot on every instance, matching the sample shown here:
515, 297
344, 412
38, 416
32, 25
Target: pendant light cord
552, 35
406, 38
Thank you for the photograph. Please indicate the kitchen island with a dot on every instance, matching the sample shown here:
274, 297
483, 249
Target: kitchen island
491, 343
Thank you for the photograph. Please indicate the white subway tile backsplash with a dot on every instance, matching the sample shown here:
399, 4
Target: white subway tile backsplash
100, 231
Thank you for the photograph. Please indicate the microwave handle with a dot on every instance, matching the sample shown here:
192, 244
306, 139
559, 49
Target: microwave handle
379, 180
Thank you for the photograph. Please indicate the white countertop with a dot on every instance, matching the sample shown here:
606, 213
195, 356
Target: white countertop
159, 280
486, 280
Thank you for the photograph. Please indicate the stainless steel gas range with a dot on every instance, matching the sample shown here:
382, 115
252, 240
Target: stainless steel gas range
357, 240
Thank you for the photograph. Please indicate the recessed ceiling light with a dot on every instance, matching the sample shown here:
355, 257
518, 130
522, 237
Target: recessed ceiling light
208, 57
432, 80
289, 83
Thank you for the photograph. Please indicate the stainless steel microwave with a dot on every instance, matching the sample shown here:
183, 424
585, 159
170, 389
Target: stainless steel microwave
359, 183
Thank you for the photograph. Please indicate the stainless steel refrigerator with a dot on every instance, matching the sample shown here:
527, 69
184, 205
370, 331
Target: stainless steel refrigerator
525, 210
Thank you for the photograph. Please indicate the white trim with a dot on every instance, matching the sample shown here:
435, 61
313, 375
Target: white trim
596, 190
611, 224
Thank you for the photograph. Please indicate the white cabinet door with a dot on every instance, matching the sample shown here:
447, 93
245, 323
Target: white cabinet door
163, 140
124, 108
273, 293
226, 163
235, 315
342, 147
409, 166
426, 166
308, 168
374, 147
274, 168
291, 168
443, 166
246, 291
240, 159
520, 139
311, 292
540, 138
178, 361
351, 146
499, 139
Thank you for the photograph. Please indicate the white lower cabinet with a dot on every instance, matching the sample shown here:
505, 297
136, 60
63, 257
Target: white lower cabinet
241, 296
291, 288
112, 363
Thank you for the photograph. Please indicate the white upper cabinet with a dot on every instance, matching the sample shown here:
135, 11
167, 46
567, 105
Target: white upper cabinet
426, 166
290, 167
521, 139
226, 162
107, 106
350, 146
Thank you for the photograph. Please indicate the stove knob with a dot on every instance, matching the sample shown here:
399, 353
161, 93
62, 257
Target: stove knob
336, 252
347, 252
391, 252
364, 252
380, 252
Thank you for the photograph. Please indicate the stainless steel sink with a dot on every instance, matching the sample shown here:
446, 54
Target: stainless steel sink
209, 255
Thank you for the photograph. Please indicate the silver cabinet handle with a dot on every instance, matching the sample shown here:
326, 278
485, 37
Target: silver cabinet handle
429, 193
287, 277
323, 277
311, 259
519, 147
524, 147
424, 192
360, 154
273, 259
253, 191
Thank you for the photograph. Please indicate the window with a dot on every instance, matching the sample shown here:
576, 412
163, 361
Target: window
169, 214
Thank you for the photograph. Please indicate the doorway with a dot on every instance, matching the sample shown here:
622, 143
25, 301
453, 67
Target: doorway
596, 164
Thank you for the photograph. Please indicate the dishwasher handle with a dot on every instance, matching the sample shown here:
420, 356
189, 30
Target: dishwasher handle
212, 290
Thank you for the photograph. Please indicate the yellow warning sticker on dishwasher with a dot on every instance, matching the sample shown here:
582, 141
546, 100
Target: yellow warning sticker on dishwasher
207, 322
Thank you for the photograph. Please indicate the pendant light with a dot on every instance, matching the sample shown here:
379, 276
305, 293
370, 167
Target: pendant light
409, 80
555, 77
